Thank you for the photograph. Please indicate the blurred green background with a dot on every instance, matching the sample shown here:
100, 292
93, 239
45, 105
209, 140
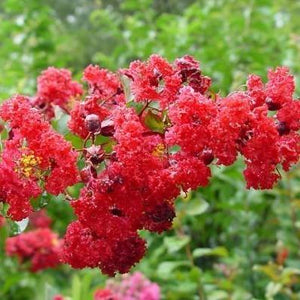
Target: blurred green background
226, 239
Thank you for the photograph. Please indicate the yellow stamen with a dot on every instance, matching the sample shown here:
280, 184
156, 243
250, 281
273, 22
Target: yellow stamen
27, 165
159, 150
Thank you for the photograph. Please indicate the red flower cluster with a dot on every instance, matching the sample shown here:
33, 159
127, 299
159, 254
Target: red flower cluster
55, 87
160, 130
41, 247
39, 219
34, 153
104, 92
132, 184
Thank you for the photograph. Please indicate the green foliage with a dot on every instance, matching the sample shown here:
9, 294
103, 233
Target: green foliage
225, 238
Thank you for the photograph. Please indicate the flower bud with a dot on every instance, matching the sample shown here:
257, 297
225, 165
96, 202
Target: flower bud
87, 173
271, 105
93, 124
207, 156
282, 128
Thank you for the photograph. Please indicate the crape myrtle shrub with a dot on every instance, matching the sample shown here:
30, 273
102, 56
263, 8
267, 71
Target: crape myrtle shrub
147, 133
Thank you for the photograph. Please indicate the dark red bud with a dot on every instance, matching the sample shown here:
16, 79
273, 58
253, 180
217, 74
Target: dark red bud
93, 124
10, 135
207, 156
271, 105
282, 128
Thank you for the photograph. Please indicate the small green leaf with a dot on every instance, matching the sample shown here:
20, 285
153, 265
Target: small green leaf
125, 81
154, 122
196, 207
166, 268
60, 123
76, 288
218, 251
175, 243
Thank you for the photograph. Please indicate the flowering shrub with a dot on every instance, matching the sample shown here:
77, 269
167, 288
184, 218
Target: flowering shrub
148, 132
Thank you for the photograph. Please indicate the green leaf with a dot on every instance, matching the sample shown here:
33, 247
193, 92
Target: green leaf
125, 81
11, 281
154, 122
166, 268
175, 243
60, 123
196, 207
218, 251
76, 288
218, 295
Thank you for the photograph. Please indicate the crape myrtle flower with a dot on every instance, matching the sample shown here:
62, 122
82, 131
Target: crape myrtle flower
34, 153
39, 219
155, 79
133, 185
41, 247
105, 92
85, 248
55, 87
149, 133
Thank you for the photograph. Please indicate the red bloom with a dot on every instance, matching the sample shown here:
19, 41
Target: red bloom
102, 83
229, 128
289, 115
84, 248
289, 149
137, 156
40, 246
82, 110
105, 294
280, 88
34, 153
256, 90
191, 115
18, 178
261, 151
39, 219
190, 172
56, 86
154, 80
